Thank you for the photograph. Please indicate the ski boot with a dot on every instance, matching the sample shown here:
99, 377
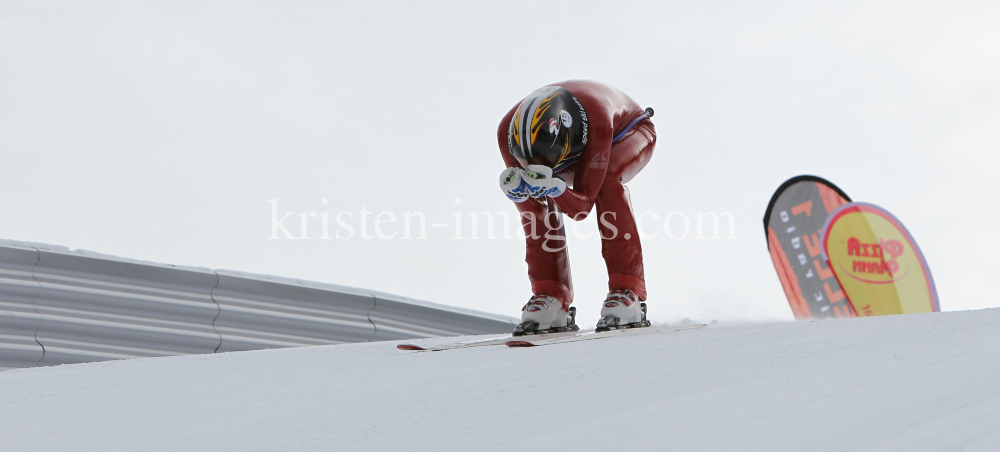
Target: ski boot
544, 314
622, 309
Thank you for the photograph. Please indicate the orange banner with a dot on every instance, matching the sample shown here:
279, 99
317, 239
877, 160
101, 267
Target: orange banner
792, 225
877, 262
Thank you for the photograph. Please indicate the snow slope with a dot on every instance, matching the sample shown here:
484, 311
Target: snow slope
925, 382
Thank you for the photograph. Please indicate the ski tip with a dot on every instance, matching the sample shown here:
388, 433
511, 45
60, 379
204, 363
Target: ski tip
520, 344
409, 347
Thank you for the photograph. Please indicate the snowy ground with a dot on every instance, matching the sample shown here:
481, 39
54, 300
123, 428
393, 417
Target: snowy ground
925, 382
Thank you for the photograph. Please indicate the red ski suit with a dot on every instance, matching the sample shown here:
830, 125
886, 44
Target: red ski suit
597, 178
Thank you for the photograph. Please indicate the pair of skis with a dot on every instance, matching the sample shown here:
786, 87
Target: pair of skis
548, 339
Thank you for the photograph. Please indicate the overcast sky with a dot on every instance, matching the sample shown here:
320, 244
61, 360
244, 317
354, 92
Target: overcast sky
163, 130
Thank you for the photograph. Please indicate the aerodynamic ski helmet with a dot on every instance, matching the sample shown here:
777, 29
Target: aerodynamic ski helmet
549, 127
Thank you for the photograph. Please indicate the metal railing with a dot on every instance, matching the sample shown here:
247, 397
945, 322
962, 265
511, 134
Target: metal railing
62, 307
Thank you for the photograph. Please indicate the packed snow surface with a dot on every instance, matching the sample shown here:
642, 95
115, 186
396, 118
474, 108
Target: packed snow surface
926, 382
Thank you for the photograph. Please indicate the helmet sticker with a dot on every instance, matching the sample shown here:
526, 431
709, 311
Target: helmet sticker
567, 120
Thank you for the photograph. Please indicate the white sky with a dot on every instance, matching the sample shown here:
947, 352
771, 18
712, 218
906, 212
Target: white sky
160, 131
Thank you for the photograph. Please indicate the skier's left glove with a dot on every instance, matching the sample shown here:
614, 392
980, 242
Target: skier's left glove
541, 182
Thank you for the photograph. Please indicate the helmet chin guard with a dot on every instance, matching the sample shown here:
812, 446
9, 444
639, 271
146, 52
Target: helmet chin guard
550, 127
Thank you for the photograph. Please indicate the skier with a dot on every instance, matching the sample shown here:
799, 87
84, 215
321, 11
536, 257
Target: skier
568, 146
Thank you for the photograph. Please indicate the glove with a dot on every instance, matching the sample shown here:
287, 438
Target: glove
512, 184
541, 183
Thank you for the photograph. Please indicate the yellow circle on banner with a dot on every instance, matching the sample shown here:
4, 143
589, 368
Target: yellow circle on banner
877, 263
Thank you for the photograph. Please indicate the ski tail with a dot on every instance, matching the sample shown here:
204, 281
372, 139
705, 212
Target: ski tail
410, 347
520, 344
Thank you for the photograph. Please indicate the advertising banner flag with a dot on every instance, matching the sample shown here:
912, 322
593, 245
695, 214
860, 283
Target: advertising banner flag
877, 262
792, 224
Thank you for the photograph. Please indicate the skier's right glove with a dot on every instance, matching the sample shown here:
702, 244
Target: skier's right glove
541, 182
513, 185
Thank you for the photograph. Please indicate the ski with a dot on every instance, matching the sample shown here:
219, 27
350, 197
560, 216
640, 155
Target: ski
482, 342
591, 335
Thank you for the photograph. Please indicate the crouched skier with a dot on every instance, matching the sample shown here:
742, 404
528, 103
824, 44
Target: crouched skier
567, 147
